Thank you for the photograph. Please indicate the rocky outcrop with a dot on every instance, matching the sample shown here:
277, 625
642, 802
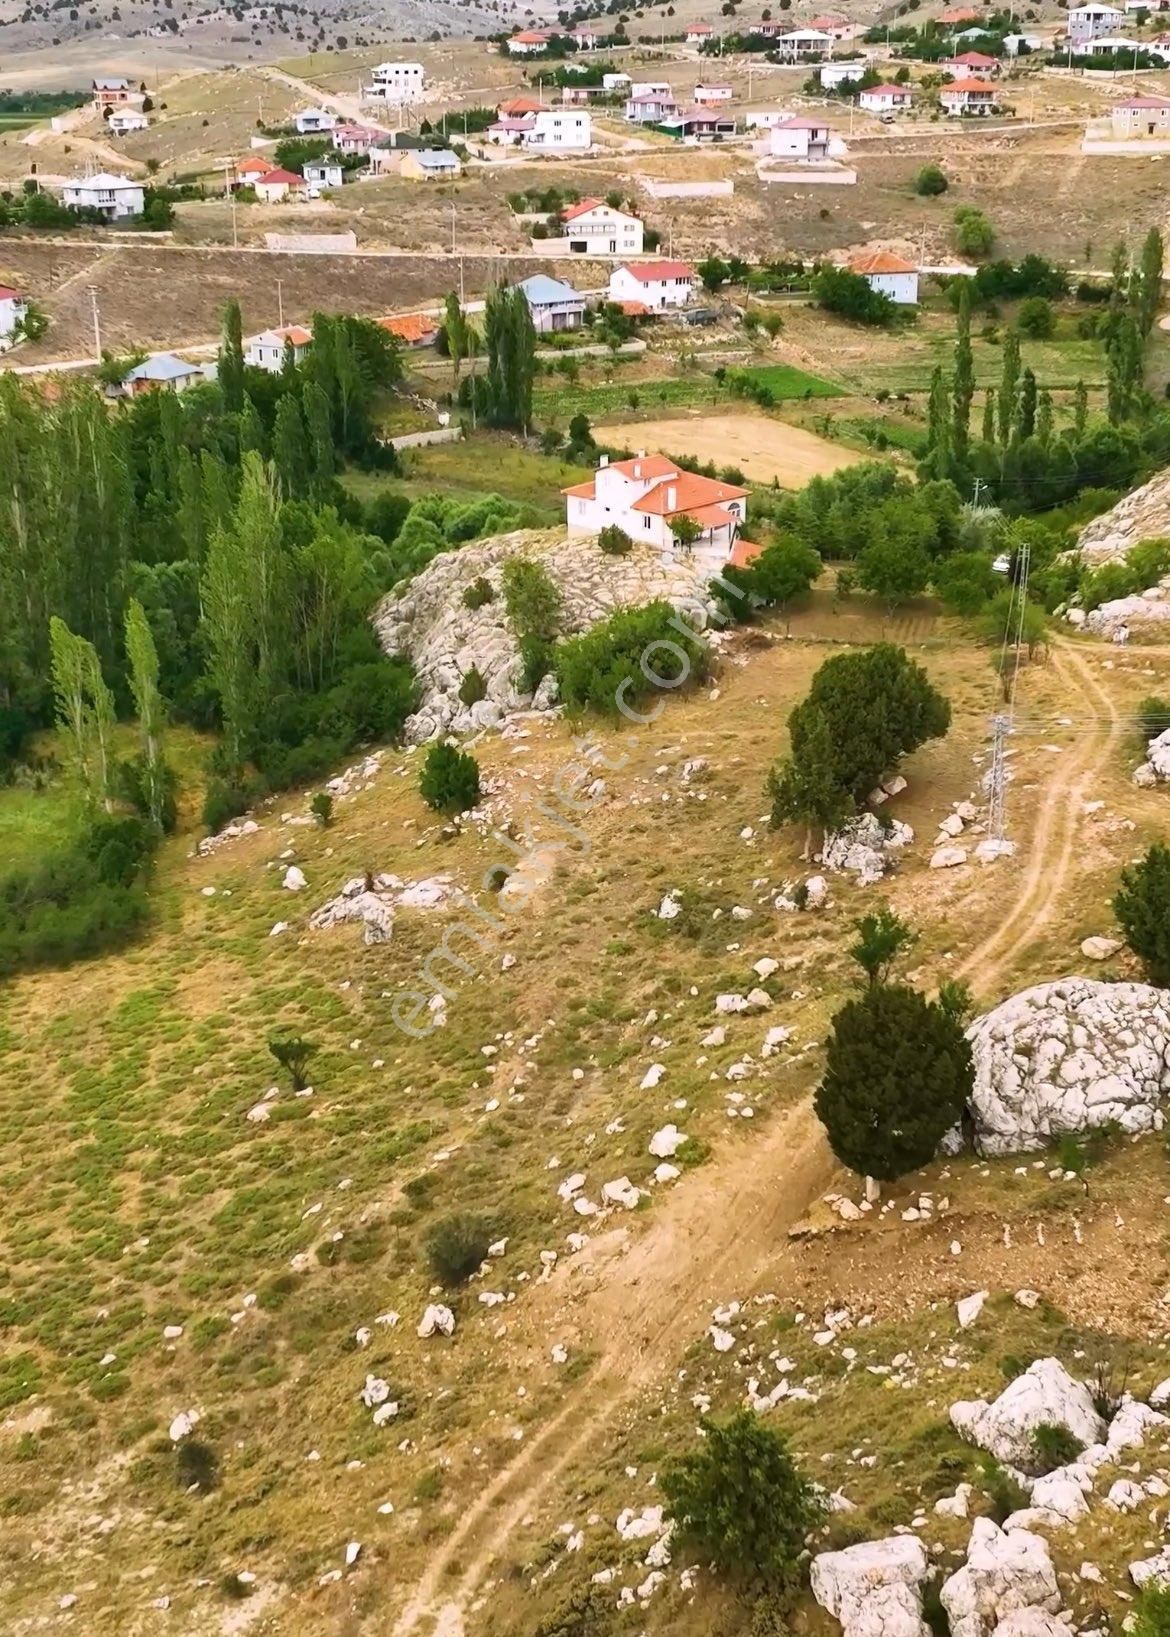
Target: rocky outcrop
372, 901
1004, 1575
1156, 767
1142, 515
427, 621
1045, 1395
1068, 1057
1146, 613
865, 847
874, 1589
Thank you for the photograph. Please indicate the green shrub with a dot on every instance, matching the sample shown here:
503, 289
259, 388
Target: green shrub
614, 542
537, 657
293, 1052
1151, 1615
196, 1466
1142, 908
740, 1499
226, 798
1004, 1493
321, 808
449, 781
1055, 1446
1036, 319
457, 1245
621, 661
478, 593
1154, 716
930, 182
472, 687
533, 603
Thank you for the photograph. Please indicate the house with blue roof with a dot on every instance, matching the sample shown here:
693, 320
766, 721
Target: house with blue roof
554, 305
162, 373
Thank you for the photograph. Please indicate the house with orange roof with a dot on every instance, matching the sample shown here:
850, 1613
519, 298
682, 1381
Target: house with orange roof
266, 351
889, 275
647, 495
412, 329
250, 170
277, 185
968, 97
972, 65
529, 42
517, 107
594, 228
960, 14
658, 284
698, 33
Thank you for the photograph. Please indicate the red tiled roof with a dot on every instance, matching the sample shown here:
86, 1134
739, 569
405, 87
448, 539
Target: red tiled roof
296, 333
699, 28
960, 14
531, 37
971, 59
743, 551
278, 175
652, 272
634, 309
571, 212
797, 124
681, 492
886, 90
968, 85
253, 163
411, 326
7, 293
519, 105
1140, 103
880, 261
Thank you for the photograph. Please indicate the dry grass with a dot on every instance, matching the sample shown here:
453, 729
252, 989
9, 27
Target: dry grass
763, 448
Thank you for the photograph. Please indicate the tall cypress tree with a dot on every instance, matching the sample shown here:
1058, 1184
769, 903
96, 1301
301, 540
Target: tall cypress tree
963, 382
320, 439
1008, 387
290, 454
231, 358
1149, 282
989, 415
1027, 404
1044, 418
1080, 408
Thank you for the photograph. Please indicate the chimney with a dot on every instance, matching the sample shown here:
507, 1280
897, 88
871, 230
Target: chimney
671, 498
604, 461
637, 469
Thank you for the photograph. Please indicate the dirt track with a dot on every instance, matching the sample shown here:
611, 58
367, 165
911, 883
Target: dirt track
648, 1303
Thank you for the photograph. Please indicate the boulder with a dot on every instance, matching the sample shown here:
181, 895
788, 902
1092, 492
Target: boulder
952, 825
1005, 1573
666, 1142
1068, 1057
874, 1589
1098, 948
1031, 1623
369, 909
1044, 1394
865, 847
1158, 756
948, 858
437, 1318
621, 1191
968, 1309
294, 879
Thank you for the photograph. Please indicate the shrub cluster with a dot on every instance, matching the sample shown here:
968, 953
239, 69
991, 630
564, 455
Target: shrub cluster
625, 658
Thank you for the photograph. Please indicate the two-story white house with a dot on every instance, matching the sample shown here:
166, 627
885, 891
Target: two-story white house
698, 33
266, 350
1140, 116
833, 74
115, 196
310, 121
803, 138
323, 173
656, 285
548, 130
650, 107
802, 45
553, 303
529, 42
594, 228
710, 96
123, 121
1091, 21
969, 97
395, 83
889, 275
645, 496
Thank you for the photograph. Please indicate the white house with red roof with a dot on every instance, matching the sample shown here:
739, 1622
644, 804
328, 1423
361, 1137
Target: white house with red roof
967, 97
549, 130
13, 308
277, 185
646, 495
803, 138
650, 106
698, 33
266, 351
529, 42
584, 37
886, 99
889, 275
347, 138
658, 285
594, 228
972, 65
1140, 117
833, 23
709, 96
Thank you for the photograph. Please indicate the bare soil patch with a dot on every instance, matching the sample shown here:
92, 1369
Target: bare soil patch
762, 448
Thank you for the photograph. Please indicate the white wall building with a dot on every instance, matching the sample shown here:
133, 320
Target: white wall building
644, 496
615, 82
593, 228
124, 120
395, 82
323, 173
1087, 22
311, 120
885, 99
889, 275
266, 351
651, 88
1140, 116
765, 119
115, 196
12, 310
966, 97
707, 96
833, 74
804, 139
804, 44
550, 130
657, 285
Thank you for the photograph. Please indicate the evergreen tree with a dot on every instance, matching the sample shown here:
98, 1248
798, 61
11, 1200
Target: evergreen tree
898, 1073
1123, 369
458, 335
807, 790
1142, 907
231, 359
1008, 387
963, 380
85, 708
989, 415
320, 439
1044, 416
143, 657
1148, 282
938, 425
290, 455
251, 430
1080, 409
1027, 415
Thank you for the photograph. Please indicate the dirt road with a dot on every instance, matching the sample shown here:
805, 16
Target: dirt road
723, 1224
350, 108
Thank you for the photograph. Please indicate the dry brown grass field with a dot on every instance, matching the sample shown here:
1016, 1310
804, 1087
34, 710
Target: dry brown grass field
762, 448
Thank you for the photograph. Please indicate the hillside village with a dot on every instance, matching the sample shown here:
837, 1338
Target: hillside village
584, 762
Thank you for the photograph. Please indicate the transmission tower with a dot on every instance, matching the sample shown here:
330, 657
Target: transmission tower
1003, 723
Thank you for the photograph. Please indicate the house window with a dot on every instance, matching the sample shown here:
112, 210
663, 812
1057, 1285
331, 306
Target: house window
646, 522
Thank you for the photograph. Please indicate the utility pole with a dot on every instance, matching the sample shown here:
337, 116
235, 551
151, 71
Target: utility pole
97, 324
977, 491
231, 193
280, 303
452, 227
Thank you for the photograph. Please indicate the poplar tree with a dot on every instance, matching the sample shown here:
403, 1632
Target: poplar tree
290, 454
1044, 418
143, 658
1148, 283
231, 359
320, 438
963, 381
1027, 416
85, 708
989, 415
456, 329
1080, 408
1009, 383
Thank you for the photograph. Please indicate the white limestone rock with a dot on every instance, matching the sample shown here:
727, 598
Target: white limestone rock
621, 1191
968, 1309
666, 1142
865, 847
1045, 1393
437, 1318
874, 1589
1067, 1057
1098, 948
1004, 1574
948, 858
294, 879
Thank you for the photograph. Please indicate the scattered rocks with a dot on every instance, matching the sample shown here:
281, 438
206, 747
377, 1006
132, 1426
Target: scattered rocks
948, 858
1156, 767
1004, 1573
865, 847
874, 1589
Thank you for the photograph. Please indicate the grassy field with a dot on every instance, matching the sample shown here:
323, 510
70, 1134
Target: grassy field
488, 463
557, 403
